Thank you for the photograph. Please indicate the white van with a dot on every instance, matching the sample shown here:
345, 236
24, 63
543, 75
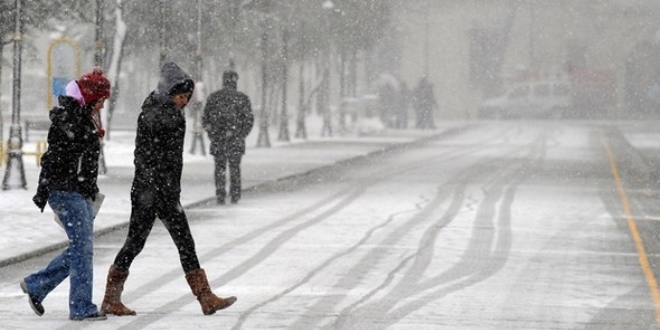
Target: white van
536, 99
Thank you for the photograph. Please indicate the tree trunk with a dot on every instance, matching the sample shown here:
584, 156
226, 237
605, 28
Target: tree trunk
115, 64
301, 130
2, 120
284, 116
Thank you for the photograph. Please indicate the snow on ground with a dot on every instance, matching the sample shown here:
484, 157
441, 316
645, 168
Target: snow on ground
25, 229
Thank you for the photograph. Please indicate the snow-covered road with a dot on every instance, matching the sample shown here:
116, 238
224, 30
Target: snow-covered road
515, 225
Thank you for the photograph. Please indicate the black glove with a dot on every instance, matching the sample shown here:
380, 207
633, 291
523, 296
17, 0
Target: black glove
40, 200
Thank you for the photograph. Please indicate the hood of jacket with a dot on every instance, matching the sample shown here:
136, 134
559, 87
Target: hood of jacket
171, 75
73, 90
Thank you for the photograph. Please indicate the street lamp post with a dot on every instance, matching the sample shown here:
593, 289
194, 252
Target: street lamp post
15, 172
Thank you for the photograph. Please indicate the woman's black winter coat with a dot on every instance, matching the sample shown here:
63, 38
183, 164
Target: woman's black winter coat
159, 149
71, 161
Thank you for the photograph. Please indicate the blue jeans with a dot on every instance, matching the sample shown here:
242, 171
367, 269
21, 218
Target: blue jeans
76, 261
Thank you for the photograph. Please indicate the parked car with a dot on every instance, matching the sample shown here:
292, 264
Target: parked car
535, 99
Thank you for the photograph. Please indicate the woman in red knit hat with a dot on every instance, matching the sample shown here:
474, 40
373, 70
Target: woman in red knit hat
95, 86
67, 182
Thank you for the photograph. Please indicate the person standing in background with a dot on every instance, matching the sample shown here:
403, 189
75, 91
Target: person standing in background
402, 106
425, 104
228, 119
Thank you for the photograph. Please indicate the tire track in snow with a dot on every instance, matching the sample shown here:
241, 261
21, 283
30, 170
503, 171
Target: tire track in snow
470, 270
175, 274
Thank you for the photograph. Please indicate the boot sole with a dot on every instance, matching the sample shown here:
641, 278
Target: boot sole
229, 301
109, 312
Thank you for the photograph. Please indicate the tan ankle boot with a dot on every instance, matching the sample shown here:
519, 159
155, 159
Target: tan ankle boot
114, 287
200, 287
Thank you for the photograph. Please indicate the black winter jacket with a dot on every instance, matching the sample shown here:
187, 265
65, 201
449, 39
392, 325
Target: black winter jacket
71, 161
228, 119
159, 141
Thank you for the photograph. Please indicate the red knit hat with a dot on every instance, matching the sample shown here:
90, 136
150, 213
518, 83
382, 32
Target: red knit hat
94, 85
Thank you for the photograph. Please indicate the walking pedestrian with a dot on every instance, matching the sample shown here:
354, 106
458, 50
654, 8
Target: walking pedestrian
67, 182
425, 103
228, 119
402, 106
156, 192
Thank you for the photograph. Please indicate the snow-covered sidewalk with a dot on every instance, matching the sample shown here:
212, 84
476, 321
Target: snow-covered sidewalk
26, 231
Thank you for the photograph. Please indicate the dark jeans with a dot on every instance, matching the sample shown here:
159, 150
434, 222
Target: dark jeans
233, 161
145, 208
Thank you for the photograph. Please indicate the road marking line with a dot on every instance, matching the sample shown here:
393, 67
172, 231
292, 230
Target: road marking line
639, 244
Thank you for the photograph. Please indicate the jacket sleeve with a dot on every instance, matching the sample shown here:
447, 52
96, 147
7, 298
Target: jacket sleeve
164, 157
88, 151
247, 117
89, 172
209, 117
41, 197
145, 140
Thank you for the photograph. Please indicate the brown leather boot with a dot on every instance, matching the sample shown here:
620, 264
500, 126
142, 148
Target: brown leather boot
114, 287
200, 287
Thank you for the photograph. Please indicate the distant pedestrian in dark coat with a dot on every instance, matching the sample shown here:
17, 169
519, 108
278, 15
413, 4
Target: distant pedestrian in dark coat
228, 119
156, 191
425, 104
67, 181
402, 106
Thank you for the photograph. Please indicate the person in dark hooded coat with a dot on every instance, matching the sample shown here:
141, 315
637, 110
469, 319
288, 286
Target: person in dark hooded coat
228, 119
425, 103
156, 191
67, 182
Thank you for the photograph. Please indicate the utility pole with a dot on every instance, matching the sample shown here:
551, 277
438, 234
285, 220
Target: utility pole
15, 172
